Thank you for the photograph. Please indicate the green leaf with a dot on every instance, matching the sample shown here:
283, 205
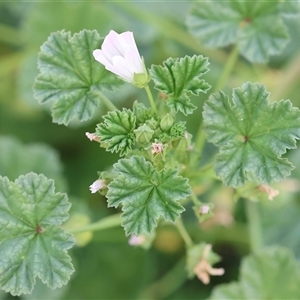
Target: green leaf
257, 28
179, 78
17, 159
117, 131
273, 273
146, 194
290, 8
252, 134
32, 243
280, 221
70, 77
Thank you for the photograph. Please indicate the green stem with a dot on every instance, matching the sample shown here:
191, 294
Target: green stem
194, 198
109, 105
199, 145
168, 284
228, 68
105, 223
149, 94
254, 225
200, 138
184, 234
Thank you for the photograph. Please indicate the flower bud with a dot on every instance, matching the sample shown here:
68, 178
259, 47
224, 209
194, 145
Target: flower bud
143, 134
166, 122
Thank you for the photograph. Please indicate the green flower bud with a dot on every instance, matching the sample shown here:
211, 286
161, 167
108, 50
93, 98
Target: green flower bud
152, 123
184, 143
166, 122
141, 80
178, 129
143, 134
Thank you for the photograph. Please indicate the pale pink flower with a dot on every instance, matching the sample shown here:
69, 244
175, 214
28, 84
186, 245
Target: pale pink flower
269, 191
119, 54
204, 209
92, 137
137, 240
157, 148
203, 269
97, 185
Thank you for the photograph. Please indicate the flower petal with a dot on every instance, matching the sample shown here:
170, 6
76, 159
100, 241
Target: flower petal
119, 54
101, 58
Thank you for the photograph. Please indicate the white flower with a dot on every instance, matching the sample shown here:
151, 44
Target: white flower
119, 54
97, 185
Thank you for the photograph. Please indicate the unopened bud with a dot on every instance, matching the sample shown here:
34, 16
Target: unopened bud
143, 134
166, 122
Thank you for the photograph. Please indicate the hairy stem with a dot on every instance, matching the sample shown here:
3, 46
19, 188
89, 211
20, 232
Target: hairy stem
254, 225
228, 68
199, 145
149, 94
184, 234
166, 285
105, 223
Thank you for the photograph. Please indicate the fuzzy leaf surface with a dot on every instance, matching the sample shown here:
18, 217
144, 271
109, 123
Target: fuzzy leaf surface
117, 131
32, 243
273, 273
70, 77
180, 78
252, 134
146, 194
257, 28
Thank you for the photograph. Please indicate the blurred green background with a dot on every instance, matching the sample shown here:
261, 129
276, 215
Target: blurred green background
106, 266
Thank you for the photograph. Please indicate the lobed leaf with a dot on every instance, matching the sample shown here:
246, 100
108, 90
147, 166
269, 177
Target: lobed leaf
272, 273
257, 28
70, 77
117, 131
32, 243
179, 78
252, 134
146, 194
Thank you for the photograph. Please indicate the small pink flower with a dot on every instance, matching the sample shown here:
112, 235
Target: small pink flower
97, 185
269, 191
92, 137
157, 148
137, 240
204, 209
119, 55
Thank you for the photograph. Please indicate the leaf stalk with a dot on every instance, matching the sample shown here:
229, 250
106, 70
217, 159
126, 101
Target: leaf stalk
183, 232
151, 100
109, 105
228, 68
254, 225
105, 223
